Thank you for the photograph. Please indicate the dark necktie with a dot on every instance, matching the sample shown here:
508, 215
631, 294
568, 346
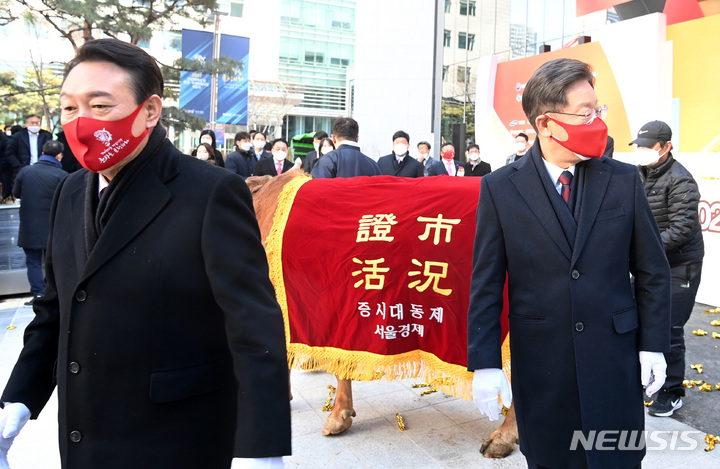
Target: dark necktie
565, 179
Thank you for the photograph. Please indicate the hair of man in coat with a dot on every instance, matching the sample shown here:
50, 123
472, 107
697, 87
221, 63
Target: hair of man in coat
546, 89
401, 134
522, 135
32, 116
145, 76
448, 144
345, 128
281, 140
473, 145
240, 136
53, 148
319, 135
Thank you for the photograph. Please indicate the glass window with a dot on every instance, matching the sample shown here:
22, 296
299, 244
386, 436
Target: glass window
467, 8
447, 38
448, 4
462, 40
463, 74
445, 71
236, 8
470, 41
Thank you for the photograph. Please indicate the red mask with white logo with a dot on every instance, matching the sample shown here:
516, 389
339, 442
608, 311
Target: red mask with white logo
99, 145
587, 140
448, 155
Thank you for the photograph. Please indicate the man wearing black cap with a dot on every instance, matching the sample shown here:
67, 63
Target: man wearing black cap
399, 162
673, 195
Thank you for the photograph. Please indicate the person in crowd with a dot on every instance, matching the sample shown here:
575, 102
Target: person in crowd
609, 147
673, 196
424, 157
522, 145
69, 162
35, 186
276, 165
448, 164
399, 162
206, 152
326, 146
208, 136
23, 149
238, 160
476, 166
564, 228
257, 152
346, 160
313, 155
159, 324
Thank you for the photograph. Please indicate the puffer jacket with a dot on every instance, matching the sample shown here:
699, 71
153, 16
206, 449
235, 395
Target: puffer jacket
673, 195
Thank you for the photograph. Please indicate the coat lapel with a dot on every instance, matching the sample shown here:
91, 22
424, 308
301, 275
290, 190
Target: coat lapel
142, 202
597, 178
529, 185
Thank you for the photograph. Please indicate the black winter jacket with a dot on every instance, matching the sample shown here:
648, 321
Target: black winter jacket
674, 196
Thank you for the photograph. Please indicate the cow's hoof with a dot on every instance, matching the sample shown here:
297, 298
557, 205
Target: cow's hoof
333, 425
496, 447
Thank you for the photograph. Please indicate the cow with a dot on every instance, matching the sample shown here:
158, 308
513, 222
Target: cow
265, 191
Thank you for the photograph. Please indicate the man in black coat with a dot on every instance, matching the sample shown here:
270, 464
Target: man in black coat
565, 232
25, 147
447, 165
399, 162
239, 160
276, 165
159, 323
257, 152
346, 160
35, 185
312, 155
475, 166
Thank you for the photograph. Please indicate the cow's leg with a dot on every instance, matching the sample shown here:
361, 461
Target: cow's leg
502, 441
341, 416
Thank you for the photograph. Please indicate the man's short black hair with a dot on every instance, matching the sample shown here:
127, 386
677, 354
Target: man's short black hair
279, 140
523, 136
346, 128
145, 76
446, 144
52, 148
473, 145
255, 132
241, 136
320, 134
424, 143
30, 116
403, 134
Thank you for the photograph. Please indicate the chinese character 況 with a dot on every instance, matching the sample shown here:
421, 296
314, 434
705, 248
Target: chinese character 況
432, 277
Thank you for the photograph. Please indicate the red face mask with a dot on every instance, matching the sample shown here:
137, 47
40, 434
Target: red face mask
99, 145
588, 140
448, 155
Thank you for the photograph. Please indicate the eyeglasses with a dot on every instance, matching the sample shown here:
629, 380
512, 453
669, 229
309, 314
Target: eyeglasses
589, 116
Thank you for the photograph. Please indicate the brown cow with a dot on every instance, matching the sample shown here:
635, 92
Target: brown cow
266, 190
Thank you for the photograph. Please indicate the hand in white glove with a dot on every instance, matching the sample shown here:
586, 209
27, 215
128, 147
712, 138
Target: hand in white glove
487, 384
258, 463
652, 371
12, 418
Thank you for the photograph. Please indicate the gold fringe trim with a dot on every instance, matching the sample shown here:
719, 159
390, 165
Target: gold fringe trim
453, 380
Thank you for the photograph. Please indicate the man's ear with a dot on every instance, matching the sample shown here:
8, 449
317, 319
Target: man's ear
153, 107
541, 122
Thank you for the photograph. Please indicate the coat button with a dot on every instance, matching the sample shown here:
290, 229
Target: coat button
75, 436
579, 326
81, 295
575, 274
74, 367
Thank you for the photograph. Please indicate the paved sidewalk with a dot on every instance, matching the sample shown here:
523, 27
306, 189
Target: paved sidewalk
441, 431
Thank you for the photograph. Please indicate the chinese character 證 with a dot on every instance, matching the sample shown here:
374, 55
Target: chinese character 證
380, 224
437, 224
432, 277
372, 279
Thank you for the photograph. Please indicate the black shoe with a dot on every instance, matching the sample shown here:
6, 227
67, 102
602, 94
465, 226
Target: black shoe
32, 300
665, 404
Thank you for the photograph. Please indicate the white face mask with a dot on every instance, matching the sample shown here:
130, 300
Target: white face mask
647, 156
400, 149
279, 155
317, 146
202, 154
326, 150
259, 144
520, 147
245, 146
474, 156
207, 140
34, 128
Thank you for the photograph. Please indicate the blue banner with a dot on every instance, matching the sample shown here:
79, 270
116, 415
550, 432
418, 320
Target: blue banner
195, 86
232, 102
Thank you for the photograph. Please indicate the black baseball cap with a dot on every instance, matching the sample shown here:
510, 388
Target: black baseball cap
651, 133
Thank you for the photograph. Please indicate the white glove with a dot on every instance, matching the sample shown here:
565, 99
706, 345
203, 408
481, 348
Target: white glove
257, 463
12, 418
487, 384
652, 371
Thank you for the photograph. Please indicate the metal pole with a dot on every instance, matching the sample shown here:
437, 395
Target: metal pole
213, 82
467, 48
437, 75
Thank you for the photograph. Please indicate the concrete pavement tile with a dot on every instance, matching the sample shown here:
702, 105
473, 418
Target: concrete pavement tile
475, 460
306, 422
319, 451
398, 401
420, 421
459, 411
442, 443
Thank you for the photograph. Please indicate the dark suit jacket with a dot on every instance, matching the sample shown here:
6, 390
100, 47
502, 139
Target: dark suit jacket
344, 162
438, 168
17, 152
168, 340
575, 326
35, 185
410, 167
268, 167
239, 163
253, 160
310, 159
480, 169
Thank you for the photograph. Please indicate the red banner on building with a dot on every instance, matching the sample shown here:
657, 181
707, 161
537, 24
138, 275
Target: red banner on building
373, 275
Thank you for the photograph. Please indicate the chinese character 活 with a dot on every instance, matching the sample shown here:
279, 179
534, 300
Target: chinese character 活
372, 279
433, 277
437, 224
